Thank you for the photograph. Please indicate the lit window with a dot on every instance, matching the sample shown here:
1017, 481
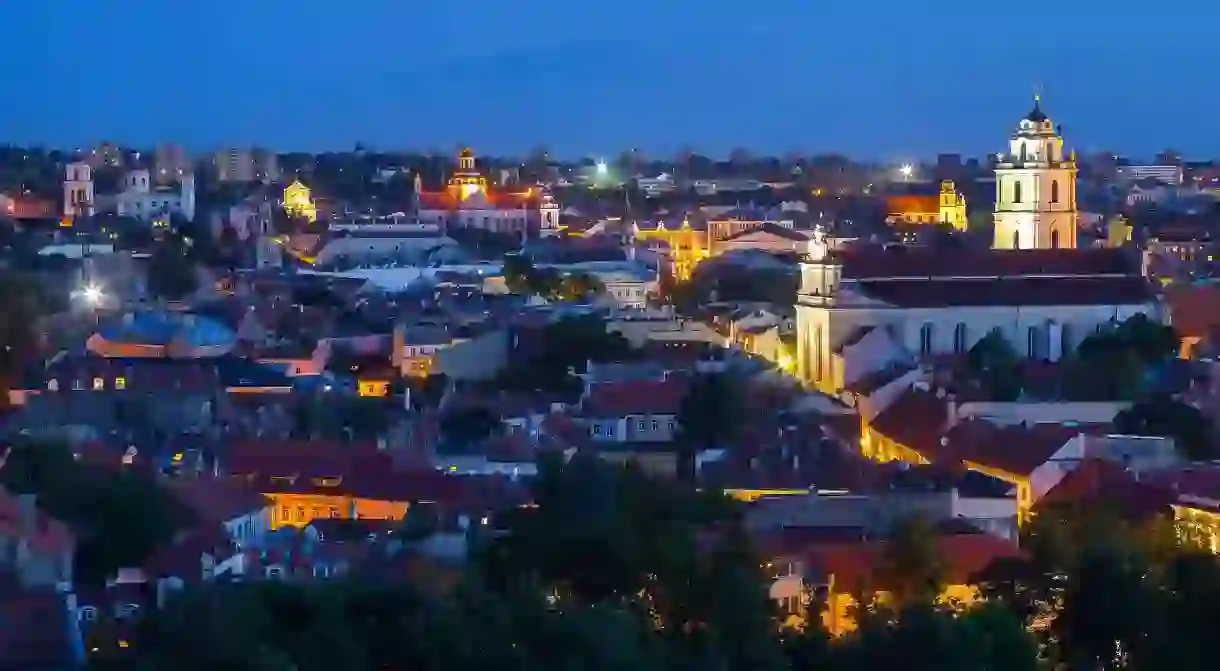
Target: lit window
120, 383
98, 384
52, 385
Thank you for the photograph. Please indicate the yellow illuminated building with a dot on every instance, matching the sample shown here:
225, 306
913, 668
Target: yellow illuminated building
298, 201
1118, 231
687, 246
298, 510
947, 207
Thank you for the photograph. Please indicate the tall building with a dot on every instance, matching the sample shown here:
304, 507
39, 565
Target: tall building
1035, 203
78, 190
234, 164
170, 163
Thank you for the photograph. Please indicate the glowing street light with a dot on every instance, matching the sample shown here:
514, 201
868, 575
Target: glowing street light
907, 170
92, 294
602, 169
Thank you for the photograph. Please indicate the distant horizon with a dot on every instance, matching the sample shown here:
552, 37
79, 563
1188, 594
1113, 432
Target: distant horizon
610, 157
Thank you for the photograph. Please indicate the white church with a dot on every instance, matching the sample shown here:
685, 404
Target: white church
866, 310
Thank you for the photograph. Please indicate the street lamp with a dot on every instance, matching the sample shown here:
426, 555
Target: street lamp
92, 294
907, 170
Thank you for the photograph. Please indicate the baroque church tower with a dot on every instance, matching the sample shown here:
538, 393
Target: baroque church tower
1035, 202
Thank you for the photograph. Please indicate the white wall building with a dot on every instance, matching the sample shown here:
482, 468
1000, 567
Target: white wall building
907, 304
144, 201
1035, 204
78, 190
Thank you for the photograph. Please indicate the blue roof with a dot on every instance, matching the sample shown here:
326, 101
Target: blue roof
162, 328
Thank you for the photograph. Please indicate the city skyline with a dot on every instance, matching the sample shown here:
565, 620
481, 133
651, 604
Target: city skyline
591, 80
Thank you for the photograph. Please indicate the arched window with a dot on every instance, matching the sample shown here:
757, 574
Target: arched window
1055, 191
1016, 239
959, 338
1055, 239
1032, 348
1016, 191
925, 339
1065, 341
1024, 152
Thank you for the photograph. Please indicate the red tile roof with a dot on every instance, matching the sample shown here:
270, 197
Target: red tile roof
1099, 481
635, 397
47, 536
915, 420
1017, 448
877, 262
215, 501
1194, 310
1012, 291
965, 556
912, 205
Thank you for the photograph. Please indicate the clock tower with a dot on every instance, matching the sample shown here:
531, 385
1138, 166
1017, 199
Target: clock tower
1035, 201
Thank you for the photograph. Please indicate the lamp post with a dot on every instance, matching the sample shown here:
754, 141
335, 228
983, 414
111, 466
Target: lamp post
907, 170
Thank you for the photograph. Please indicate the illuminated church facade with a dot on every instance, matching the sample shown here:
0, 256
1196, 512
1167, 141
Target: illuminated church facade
864, 312
1035, 201
467, 201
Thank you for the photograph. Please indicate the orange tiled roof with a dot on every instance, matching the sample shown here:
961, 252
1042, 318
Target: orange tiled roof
912, 205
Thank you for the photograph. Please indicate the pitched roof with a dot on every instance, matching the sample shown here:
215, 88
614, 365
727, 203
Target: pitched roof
908, 262
1016, 448
45, 535
1194, 310
964, 555
216, 500
1011, 291
908, 204
1095, 481
915, 420
635, 397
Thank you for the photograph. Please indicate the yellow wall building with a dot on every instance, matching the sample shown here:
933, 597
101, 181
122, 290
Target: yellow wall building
298, 201
687, 246
946, 207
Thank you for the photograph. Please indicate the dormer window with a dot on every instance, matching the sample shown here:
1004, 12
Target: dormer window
52, 385
120, 383
87, 614
77, 385
99, 384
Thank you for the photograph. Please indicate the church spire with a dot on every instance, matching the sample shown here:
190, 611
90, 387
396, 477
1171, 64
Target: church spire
1036, 114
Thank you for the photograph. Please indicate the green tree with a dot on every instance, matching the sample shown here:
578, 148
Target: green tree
911, 569
464, 426
1193, 432
171, 275
708, 417
18, 334
119, 518
921, 636
994, 362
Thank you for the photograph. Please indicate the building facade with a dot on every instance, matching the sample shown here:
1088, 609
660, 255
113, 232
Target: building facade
468, 202
78, 190
865, 311
946, 207
1035, 202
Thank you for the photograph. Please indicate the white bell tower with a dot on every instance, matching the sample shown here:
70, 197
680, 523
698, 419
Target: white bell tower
1035, 203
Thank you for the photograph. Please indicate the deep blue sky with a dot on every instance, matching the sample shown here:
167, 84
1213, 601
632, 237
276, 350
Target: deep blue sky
885, 79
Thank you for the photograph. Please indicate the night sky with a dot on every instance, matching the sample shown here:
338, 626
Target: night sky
880, 79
